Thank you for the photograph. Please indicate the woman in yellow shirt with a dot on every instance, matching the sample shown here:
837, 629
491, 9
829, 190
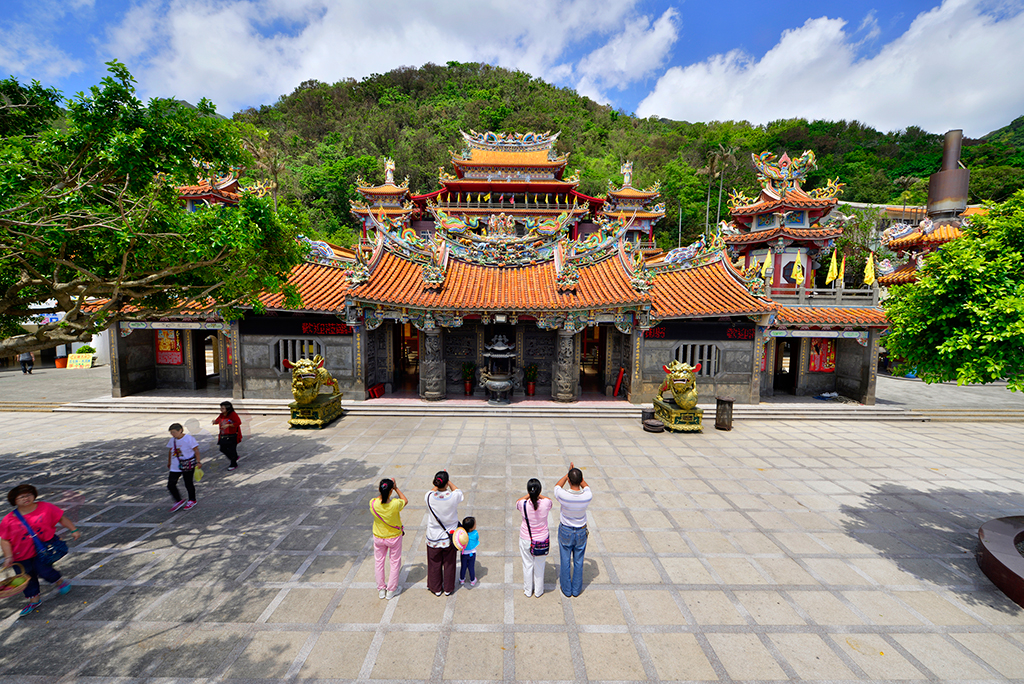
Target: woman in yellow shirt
387, 534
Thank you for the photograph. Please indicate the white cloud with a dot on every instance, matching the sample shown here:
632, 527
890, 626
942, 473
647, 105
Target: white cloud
24, 51
957, 66
239, 52
633, 54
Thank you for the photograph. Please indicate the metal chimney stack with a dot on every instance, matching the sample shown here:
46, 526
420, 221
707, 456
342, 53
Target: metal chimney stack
947, 189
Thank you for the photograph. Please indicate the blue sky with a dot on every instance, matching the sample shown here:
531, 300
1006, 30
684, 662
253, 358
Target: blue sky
937, 65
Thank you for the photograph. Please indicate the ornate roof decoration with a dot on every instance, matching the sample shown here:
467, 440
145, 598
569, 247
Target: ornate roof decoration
784, 174
509, 142
704, 246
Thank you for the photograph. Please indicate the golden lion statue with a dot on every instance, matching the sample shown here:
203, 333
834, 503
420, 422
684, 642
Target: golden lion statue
681, 378
308, 376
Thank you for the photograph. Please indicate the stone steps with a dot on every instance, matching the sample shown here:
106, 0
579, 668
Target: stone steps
39, 406
971, 415
468, 409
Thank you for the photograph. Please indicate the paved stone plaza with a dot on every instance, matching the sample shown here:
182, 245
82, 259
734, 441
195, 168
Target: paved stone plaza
805, 550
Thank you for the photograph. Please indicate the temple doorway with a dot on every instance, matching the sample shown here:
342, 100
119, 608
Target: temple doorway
593, 355
407, 363
787, 357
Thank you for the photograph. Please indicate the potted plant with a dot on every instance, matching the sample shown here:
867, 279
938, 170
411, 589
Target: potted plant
468, 374
530, 375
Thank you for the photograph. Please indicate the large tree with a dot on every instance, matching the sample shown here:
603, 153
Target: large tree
964, 319
91, 224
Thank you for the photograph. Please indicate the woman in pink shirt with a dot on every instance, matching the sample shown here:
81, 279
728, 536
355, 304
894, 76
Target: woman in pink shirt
19, 547
534, 538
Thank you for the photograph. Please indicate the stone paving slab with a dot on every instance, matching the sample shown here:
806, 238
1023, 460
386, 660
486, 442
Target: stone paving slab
781, 550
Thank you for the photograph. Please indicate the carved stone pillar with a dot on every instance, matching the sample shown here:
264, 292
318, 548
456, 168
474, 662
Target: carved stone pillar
432, 383
565, 378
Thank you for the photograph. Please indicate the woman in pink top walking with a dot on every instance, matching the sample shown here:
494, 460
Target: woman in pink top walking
534, 538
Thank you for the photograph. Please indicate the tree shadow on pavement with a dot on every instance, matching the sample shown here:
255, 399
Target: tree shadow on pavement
933, 535
143, 575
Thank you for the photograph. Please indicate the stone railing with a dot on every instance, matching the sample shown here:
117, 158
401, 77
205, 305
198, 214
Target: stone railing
804, 296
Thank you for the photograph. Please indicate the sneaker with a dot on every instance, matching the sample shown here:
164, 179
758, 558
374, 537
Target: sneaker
437, 593
472, 583
177, 506
528, 593
30, 608
382, 593
64, 587
447, 593
232, 467
462, 581
390, 594
190, 505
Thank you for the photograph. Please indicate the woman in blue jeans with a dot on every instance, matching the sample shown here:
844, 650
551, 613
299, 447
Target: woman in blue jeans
572, 530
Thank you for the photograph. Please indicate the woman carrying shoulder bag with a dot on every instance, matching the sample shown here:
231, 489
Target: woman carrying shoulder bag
28, 535
443, 505
534, 539
387, 534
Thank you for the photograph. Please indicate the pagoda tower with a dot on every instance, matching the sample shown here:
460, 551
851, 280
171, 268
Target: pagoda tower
635, 207
784, 220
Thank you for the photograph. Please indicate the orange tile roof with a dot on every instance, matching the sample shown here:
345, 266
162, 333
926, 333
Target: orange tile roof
939, 236
388, 211
508, 158
797, 199
399, 282
783, 231
868, 316
709, 290
639, 214
322, 288
384, 190
907, 273
632, 193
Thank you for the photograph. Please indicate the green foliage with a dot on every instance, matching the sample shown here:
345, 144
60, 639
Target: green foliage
964, 319
468, 370
89, 211
86, 349
415, 115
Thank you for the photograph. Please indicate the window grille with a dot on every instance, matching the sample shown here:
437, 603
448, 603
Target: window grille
293, 349
707, 355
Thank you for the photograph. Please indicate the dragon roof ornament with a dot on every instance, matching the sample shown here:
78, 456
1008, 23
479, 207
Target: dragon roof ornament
784, 174
509, 142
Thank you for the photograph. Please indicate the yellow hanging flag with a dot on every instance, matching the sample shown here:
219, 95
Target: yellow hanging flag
459, 201
487, 197
764, 266
798, 271
842, 271
833, 269
546, 197
869, 270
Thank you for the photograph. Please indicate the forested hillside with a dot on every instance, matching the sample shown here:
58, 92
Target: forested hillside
321, 137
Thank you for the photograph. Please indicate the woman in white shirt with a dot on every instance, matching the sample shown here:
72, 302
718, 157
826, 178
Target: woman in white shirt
443, 504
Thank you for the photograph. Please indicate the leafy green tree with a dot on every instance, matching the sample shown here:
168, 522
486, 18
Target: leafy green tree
91, 224
964, 319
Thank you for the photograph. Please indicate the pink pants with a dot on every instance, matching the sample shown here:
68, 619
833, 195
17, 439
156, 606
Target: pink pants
381, 548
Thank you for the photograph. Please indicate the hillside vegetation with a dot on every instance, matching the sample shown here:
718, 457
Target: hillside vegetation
322, 136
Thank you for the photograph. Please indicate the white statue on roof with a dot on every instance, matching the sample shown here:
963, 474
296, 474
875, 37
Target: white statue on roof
627, 171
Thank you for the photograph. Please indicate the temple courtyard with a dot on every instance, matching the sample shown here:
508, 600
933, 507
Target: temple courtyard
781, 550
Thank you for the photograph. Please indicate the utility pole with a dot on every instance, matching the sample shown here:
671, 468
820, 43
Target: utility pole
680, 242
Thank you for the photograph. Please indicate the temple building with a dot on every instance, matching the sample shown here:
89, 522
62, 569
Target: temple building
509, 260
821, 340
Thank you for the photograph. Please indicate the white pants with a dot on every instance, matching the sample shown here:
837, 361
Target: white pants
533, 569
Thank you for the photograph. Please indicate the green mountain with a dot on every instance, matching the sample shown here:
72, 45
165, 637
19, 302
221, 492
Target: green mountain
322, 136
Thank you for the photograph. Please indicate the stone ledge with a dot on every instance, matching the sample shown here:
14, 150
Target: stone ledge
999, 558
